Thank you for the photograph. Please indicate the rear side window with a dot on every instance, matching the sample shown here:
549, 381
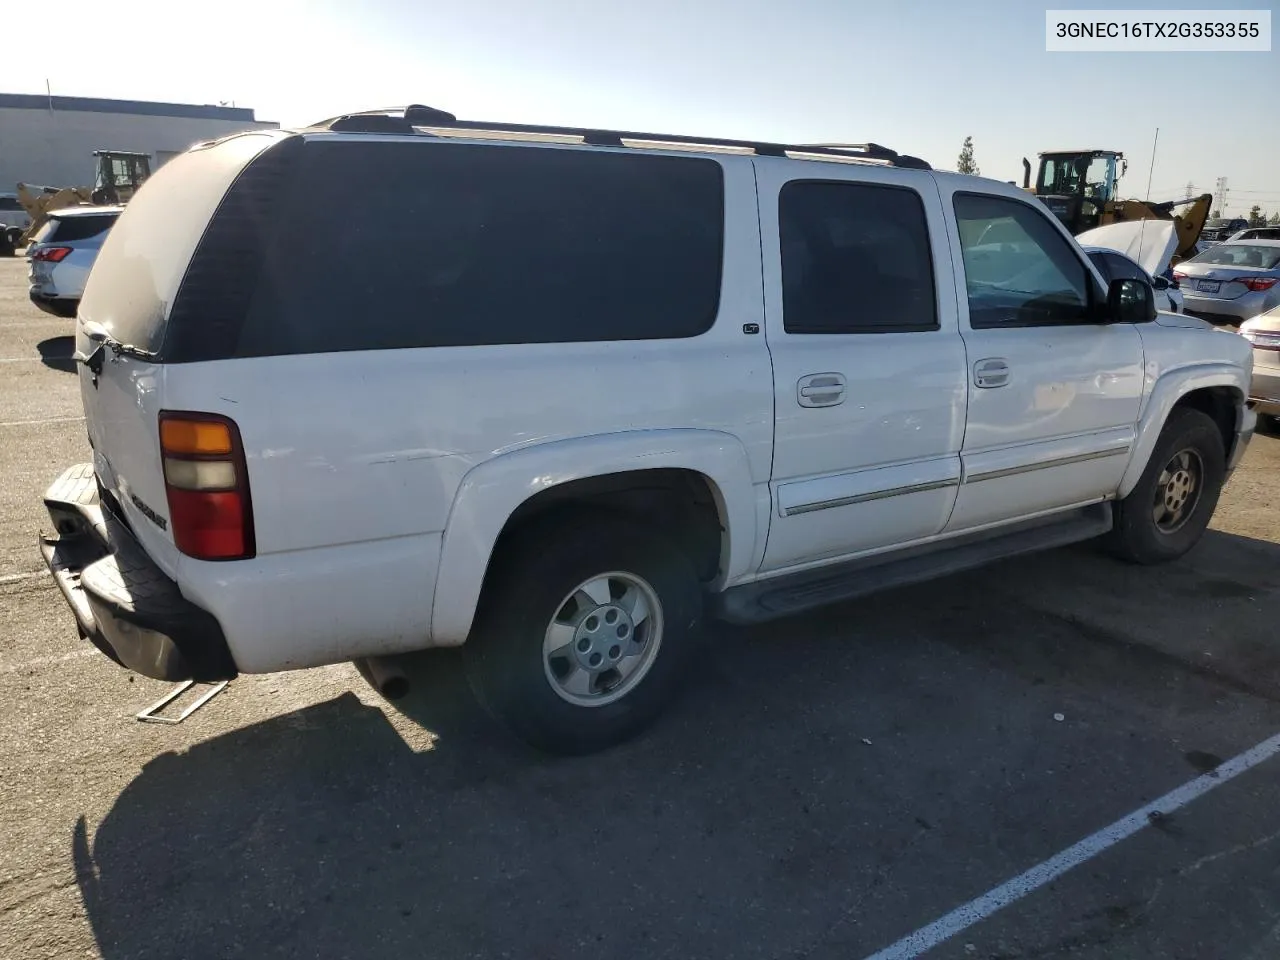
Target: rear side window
9, 204
1099, 260
855, 259
1122, 268
387, 245
71, 229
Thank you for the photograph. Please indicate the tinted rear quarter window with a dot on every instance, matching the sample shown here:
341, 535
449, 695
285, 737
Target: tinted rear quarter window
73, 229
1122, 268
387, 245
1100, 261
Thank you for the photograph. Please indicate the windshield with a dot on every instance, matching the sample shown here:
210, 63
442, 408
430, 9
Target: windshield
1077, 174
1251, 255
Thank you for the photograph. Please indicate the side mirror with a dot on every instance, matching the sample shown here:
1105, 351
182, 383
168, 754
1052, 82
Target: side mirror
1130, 301
1161, 283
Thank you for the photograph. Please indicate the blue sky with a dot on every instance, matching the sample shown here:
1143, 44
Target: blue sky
916, 75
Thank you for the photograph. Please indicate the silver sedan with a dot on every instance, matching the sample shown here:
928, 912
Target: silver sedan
1231, 282
1263, 332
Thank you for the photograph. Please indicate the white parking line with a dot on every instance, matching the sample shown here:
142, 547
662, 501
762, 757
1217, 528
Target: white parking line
963, 917
16, 577
34, 359
36, 423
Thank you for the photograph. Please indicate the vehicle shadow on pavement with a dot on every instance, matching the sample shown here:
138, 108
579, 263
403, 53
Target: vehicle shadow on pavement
825, 785
56, 353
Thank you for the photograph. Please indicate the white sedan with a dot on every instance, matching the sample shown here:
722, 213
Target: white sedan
1263, 331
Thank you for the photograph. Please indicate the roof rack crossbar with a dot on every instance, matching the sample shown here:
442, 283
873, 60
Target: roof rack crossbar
417, 115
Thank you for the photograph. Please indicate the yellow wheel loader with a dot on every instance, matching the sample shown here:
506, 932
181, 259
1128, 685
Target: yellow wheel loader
119, 175
1080, 188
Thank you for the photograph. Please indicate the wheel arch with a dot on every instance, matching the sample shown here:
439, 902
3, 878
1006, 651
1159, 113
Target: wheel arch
698, 482
1213, 389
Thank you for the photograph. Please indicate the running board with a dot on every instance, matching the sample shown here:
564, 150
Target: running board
796, 593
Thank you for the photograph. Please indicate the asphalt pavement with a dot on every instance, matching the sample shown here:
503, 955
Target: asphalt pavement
832, 784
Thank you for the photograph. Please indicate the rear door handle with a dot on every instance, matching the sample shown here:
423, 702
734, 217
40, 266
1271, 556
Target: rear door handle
820, 390
993, 372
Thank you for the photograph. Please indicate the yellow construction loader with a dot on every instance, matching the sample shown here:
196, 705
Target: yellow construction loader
1080, 188
119, 174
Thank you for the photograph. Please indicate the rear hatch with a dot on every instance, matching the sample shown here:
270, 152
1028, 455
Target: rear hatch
132, 291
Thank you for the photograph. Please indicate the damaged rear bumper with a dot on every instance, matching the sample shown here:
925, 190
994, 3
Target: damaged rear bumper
122, 602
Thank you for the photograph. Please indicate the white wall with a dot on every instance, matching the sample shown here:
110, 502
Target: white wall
55, 148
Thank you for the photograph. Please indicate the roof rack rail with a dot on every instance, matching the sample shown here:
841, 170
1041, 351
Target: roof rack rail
405, 119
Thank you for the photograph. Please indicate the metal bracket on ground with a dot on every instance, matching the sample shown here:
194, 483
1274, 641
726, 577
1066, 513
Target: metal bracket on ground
151, 714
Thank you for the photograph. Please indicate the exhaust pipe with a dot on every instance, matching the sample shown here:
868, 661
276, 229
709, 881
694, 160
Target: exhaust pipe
1026, 174
385, 675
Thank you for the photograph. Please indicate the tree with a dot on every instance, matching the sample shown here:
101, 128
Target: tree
966, 162
1256, 219
1274, 219
1215, 215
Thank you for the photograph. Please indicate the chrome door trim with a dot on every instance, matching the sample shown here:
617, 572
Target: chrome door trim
1045, 464
868, 497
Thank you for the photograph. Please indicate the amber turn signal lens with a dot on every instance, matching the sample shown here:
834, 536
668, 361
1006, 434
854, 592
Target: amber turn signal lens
195, 437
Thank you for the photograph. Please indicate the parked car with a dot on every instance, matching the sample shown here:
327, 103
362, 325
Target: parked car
1114, 265
1231, 282
1255, 233
14, 221
593, 388
1218, 229
1263, 332
63, 252
1137, 250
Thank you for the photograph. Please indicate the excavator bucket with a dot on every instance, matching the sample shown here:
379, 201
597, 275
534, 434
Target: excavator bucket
38, 201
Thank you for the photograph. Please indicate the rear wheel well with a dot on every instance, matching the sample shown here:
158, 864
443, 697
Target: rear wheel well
1219, 404
682, 504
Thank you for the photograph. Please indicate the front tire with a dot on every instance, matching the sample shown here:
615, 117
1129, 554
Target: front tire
1168, 511
587, 627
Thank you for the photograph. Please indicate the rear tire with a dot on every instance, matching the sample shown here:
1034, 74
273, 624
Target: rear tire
1165, 515
587, 628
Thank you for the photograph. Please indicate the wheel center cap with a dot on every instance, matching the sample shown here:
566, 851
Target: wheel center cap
602, 637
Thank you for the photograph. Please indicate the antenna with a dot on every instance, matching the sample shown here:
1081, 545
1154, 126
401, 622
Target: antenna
1153, 162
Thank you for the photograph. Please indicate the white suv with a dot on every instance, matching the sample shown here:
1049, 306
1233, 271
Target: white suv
556, 395
62, 254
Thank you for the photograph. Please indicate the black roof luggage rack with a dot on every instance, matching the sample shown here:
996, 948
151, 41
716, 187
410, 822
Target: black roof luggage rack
407, 119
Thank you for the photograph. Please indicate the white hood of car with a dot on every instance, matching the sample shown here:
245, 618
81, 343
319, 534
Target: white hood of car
1150, 242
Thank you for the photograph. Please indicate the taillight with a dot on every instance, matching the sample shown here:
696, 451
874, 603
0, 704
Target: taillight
1258, 284
51, 254
207, 485
1179, 276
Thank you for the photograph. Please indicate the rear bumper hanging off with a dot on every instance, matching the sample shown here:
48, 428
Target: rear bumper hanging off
123, 603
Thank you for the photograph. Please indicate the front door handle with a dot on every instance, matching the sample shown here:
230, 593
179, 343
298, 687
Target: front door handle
993, 372
820, 390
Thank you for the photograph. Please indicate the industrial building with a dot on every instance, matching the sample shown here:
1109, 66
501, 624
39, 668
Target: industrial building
50, 139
